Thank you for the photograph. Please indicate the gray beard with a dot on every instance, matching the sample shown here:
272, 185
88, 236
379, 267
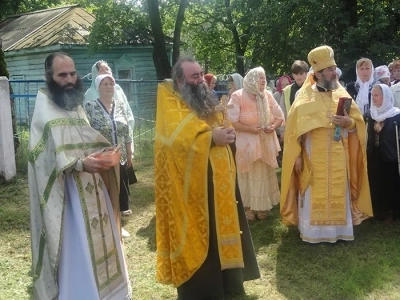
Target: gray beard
330, 84
199, 99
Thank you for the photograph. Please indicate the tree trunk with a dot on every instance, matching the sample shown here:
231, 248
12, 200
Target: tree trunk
160, 54
178, 29
238, 47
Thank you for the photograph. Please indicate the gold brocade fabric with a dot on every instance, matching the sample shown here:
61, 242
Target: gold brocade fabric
329, 179
330, 165
182, 153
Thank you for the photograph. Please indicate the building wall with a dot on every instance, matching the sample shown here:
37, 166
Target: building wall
29, 65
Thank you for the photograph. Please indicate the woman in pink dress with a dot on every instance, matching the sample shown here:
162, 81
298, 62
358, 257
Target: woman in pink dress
256, 115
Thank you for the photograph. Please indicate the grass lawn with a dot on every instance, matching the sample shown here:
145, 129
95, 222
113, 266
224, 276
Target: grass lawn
367, 268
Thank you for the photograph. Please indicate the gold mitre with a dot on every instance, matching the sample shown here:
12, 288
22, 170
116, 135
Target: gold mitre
321, 57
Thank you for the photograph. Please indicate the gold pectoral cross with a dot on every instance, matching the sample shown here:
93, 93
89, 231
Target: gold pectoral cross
223, 107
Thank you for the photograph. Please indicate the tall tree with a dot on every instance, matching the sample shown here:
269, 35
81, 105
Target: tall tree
160, 54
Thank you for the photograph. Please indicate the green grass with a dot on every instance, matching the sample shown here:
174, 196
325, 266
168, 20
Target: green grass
367, 268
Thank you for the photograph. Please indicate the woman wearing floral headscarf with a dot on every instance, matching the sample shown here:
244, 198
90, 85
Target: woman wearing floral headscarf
382, 75
281, 83
255, 116
360, 90
383, 172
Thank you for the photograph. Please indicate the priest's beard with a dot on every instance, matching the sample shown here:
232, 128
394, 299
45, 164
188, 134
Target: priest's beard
67, 98
199, 98
329, 84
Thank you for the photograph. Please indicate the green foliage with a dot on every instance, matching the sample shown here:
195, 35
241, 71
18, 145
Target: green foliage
274, 33
118, 23
11, 7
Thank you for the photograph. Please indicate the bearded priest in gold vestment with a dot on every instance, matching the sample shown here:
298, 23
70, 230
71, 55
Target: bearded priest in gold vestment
204, 247
324, 186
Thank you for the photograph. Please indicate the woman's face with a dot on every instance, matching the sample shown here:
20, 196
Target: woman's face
104, 69
377, 96
284, 82
262, 81
212, 83
364, 72
106, 87
396, 73
232, 87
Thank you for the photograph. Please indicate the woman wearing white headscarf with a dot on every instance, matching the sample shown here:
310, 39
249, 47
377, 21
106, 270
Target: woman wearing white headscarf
99, 68
383, 172
360, 90
107, 115
235, 82
255, 116
382, 75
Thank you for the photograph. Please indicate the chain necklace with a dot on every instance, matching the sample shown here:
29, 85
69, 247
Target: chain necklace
329, 113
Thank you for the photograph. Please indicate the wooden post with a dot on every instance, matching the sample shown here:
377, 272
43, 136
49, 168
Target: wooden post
7, 156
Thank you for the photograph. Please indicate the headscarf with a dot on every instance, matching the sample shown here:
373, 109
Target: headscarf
338, 72
279, 82
100, 78
381, 72
208, 77
238, 80
251, 86
362, 98
92, 94
387, 109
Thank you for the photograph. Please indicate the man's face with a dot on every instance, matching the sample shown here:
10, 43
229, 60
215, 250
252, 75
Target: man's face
299, 78
64, 72
66, 89
193, 73
328, 78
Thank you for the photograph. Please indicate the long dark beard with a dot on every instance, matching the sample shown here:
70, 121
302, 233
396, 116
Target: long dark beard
68, 99
200, 99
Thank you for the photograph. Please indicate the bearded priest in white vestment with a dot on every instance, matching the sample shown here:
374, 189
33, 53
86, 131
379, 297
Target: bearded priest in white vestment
75, 224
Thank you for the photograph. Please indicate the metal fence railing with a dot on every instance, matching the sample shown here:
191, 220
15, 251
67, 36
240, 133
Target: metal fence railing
141, 96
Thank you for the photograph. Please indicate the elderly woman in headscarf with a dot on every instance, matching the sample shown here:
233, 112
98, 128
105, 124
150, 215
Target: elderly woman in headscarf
360, 90
255, 115
99, 68
382, 75
107, 115
235, 82
281, 83
382, 154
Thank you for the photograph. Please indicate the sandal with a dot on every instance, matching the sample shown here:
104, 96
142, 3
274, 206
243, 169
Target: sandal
126, 212
250, 216
262, 214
